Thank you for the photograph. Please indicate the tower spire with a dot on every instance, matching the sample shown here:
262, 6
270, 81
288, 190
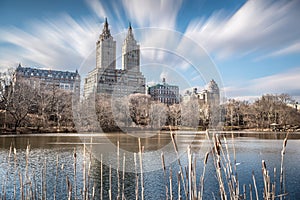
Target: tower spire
105, 32
106, 24
130, 52
129, 34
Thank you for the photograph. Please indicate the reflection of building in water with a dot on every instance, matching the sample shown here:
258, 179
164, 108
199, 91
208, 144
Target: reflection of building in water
47, 79
164, 93
106, 78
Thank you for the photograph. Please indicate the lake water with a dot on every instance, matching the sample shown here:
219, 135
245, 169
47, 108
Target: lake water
45, 175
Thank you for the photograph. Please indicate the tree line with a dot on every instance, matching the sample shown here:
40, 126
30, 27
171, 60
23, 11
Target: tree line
39, 108
48, 107
277, 112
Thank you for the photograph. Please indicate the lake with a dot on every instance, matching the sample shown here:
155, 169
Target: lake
50, 164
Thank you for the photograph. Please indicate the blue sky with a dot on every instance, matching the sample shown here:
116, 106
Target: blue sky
249, 47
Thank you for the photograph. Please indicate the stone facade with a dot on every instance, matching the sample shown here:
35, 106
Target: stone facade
130, 53
106, 50
209, 96
46, 79
106, 78
164, 93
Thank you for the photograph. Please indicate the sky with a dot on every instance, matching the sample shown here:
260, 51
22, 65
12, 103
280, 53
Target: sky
250, 48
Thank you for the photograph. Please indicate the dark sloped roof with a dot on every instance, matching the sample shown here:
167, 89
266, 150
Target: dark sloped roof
46, 73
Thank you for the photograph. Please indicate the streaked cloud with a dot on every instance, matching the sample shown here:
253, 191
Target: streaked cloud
145, 13
60, 43
291, 49
98, 8
263, 28
285, 82
258, 26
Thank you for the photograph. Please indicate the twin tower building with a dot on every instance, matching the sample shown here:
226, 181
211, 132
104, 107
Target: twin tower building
106, 78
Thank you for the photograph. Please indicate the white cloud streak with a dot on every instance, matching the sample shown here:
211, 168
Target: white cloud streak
258, 26
286, 82
267, 27
291, 49
98, 8
61, 43
145, 13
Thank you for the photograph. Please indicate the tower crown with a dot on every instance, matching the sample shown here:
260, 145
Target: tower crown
105, 32
130, 52
106, 49
130, 35
212, 86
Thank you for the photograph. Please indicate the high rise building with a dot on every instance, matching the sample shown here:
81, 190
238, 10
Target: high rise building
105, 78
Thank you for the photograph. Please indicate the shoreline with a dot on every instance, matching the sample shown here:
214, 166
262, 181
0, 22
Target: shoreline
247, 133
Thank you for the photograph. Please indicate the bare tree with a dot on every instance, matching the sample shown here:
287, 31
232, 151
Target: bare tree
139, 108
121, 113
104, 112
157, 115
190, 113
174, 115
20, 101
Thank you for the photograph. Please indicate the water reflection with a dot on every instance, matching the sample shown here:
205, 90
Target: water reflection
45, 150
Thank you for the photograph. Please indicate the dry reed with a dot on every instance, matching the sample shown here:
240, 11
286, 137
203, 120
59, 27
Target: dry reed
221, 157
101, 177
136, 178
123, 178
141, 169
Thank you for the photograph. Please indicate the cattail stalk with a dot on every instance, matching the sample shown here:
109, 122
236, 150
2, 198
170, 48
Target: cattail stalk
75, 181
118, 169
93, 191
101, 178
274, 185
265, 175
244, 191
170, 177
141, 168
164, 170
35, 186
21, 186
254, 184
202, 177
123, 178
232, 183
84, 176
190, 172
250, 191
44, 180
136, 178
179, 163
109, 191
179, 189
15, 176
56, 176
69, 186
281, 164
217, 148
89, 176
